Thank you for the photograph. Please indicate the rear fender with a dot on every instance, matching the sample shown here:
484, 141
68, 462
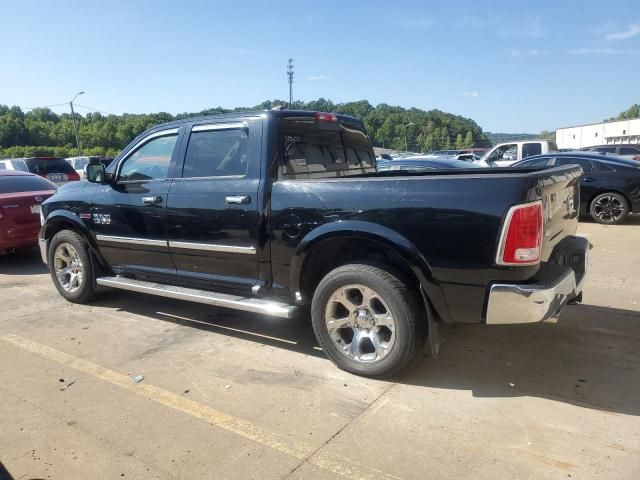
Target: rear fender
386, 237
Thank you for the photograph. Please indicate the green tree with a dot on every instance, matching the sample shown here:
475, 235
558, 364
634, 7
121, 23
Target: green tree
468, 140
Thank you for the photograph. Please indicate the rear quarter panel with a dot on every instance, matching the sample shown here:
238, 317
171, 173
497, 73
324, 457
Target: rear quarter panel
453, 220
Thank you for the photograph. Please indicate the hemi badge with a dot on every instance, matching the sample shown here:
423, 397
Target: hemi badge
85, 216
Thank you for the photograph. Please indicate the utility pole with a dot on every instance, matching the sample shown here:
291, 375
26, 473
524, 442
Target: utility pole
75, 124
290, 76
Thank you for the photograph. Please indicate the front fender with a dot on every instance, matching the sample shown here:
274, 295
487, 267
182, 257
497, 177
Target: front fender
64, 219
379, 234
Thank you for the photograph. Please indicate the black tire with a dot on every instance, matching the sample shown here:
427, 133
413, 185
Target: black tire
85, 288
609, 208
396, 298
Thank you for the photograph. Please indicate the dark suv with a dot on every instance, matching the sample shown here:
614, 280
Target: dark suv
628, 150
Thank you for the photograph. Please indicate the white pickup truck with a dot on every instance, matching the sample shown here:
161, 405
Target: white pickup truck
506, 154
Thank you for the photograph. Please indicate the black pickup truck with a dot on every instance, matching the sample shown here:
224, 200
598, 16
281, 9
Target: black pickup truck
278, 211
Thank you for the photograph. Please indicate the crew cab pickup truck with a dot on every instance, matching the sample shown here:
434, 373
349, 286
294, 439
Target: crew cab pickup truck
275, 212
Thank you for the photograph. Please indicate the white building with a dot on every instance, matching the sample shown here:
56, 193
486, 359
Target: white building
622, 131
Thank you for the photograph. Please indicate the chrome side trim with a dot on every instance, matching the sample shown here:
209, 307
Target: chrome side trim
209, 247
253, 305
218, 126
131, 240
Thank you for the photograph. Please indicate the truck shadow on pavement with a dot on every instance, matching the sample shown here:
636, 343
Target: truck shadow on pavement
589, 358
23, 262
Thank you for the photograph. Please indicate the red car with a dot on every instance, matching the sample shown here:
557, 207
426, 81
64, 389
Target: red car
21, 194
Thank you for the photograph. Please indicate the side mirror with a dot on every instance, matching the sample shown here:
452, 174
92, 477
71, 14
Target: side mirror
95, 173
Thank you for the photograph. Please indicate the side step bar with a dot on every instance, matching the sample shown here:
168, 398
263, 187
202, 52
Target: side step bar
247, 304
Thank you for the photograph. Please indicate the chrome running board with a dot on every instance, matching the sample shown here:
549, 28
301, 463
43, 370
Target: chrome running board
247, 304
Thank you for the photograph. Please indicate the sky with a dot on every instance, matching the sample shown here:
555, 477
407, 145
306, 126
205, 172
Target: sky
510, 66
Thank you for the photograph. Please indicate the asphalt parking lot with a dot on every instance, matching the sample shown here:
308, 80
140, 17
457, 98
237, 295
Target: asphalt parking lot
228, 395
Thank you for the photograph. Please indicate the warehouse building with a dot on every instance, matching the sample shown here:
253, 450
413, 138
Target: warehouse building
621, 131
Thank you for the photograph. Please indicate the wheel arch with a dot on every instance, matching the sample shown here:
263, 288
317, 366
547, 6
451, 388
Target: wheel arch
334, 244
602, 190
59, 220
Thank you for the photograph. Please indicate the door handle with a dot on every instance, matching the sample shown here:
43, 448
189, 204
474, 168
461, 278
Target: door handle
151, 200
588, 180
238, 199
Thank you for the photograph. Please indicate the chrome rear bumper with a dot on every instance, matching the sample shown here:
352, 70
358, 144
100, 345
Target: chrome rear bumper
559, 284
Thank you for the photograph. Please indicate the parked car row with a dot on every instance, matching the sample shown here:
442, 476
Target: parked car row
57, 170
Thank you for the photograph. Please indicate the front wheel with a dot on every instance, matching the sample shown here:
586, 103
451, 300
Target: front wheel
70, 266
367, 320
609, 208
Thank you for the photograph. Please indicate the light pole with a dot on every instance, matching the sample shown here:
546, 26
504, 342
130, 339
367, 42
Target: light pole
290, 77
405, 135
75, 125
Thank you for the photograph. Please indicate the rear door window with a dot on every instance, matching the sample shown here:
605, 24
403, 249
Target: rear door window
216, 153
531, 149
629, 151
535, 162
586, 165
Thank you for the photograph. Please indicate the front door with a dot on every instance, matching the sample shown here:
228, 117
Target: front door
213, 209
130, 215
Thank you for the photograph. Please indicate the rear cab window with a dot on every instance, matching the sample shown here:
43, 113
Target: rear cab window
311, 149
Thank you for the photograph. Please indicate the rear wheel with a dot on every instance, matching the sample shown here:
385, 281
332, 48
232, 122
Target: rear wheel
367, 320
609, 208
70, 266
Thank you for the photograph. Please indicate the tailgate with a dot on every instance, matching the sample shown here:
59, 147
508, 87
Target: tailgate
560, 194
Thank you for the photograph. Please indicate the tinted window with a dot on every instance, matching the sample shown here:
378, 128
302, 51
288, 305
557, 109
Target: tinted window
535, 162
43, 166
311, 152
3, 166
586, 165
19, 165
605, 149
216, 153
27, 183
531, 149
629, 151
80, 163
151, 161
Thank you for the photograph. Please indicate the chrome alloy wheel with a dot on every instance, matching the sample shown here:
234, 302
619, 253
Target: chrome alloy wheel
360, 324
68, 268
608, 208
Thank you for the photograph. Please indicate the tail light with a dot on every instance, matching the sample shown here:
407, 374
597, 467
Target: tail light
521, 239
326, 117
72, 176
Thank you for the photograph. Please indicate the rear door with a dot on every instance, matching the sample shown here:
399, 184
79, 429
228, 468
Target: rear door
129, 215
214, 228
